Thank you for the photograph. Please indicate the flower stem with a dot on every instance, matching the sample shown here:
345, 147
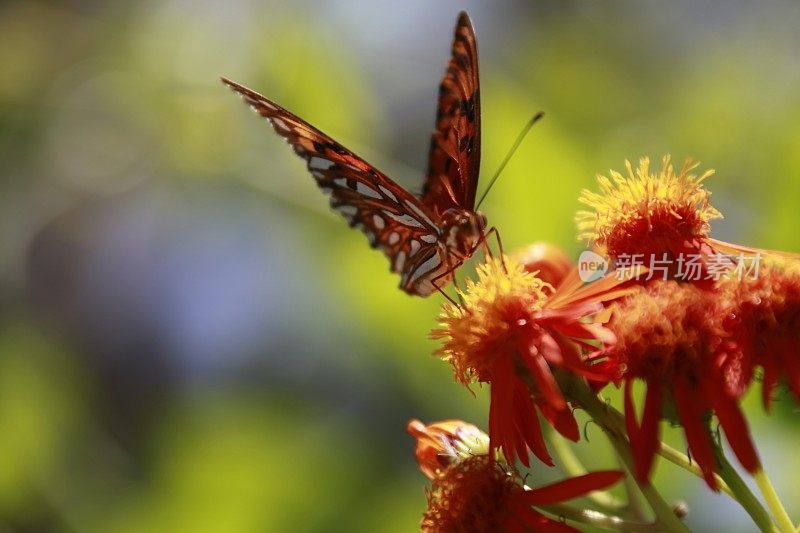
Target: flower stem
743, 494
682, 460
573, 466
599, 411
594, 518
785, 524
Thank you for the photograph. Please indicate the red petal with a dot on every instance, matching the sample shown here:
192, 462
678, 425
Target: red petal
791, 360
543, 377
563, 420
529, 422
690, 411
650, 429
770, 380
571, 488
587, 331
501, 409
634, 431
534, 521
736, 430
518, 434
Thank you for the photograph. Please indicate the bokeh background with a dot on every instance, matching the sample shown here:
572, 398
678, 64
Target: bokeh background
190, 341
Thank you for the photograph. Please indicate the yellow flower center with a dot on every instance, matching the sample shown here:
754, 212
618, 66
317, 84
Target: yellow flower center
475, 332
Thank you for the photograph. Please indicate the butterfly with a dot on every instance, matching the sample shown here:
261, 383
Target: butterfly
425, 237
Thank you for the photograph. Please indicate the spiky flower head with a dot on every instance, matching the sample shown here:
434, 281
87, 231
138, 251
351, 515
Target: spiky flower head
648, 212
492, 308
511, 331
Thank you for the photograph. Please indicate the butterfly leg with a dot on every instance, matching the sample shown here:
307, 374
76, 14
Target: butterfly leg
444, 275
493, 231
441, 290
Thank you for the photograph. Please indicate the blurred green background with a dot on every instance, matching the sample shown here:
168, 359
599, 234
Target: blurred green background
190, 341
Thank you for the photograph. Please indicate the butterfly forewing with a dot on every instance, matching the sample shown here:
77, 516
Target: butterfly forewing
454, 158
393, 219
424, 238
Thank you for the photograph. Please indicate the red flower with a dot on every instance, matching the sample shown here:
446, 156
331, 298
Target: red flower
480, 495
764, 323
510, 332
669, 335
653, 219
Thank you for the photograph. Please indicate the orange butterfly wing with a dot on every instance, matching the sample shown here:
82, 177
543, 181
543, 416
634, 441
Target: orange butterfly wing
455, 152
392, 218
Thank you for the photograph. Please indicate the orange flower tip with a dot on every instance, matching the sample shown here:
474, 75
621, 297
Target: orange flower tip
648, 212
547, 261
440, 444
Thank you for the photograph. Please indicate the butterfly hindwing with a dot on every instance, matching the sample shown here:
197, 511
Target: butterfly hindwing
392, 218
454, 158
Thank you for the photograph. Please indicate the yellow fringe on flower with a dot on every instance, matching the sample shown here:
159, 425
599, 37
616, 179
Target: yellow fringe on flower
627, 206
483, 315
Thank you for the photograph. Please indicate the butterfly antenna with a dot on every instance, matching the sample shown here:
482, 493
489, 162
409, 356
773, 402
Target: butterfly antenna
510, 154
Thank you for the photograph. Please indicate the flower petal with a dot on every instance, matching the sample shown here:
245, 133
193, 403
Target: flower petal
736, 430
571, 488
644, 437
542, 376
531, 428
697, 433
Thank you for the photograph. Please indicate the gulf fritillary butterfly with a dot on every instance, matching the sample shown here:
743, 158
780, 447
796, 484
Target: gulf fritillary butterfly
425, 238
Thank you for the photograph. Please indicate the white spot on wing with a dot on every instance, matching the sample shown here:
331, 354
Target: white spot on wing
427, 266
429, 238
404, 219
394, 237
389, 194
341, 182
348, 210
378, 222
414, 248
364, 189
419, 212
320, 163
400, 261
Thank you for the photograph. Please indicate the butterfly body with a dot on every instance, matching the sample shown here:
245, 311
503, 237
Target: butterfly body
425, 238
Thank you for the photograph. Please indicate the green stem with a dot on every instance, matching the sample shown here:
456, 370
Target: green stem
594, 518
633, 493
743, 494
682, 460
785, 524
600, 413
573, 466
